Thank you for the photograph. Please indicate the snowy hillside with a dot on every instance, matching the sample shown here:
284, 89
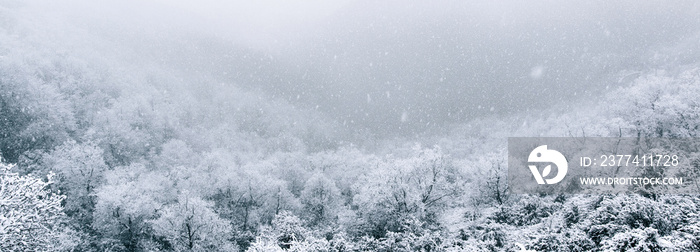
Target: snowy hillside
333, 126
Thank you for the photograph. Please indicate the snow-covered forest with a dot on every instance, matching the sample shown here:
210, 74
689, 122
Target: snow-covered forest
333, 125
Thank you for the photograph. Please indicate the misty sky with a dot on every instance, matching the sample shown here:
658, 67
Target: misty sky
397, 67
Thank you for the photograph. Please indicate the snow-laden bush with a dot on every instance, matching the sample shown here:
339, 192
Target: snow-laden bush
570, 240
527, 210
634, 240
30, 214
287, 233
488, 235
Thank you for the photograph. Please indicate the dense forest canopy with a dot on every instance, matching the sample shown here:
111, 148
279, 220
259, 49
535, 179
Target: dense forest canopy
344, 126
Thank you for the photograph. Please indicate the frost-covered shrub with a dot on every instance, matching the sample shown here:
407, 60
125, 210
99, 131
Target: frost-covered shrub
682, 210
405, 242
287, 228
605, 220
527, 211
310, 244
617, 221
688, 239
634, 240
411, 242
342, 242
367, 243
264, 245
30, 214
649, 214
577, 240
633, 211
492, 235
571, 240
286, 233
600, 232
549, 242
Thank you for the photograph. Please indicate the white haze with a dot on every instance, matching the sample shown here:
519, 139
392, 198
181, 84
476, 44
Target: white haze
391, 67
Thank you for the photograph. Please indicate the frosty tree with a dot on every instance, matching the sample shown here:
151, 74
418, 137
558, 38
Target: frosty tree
30, 214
